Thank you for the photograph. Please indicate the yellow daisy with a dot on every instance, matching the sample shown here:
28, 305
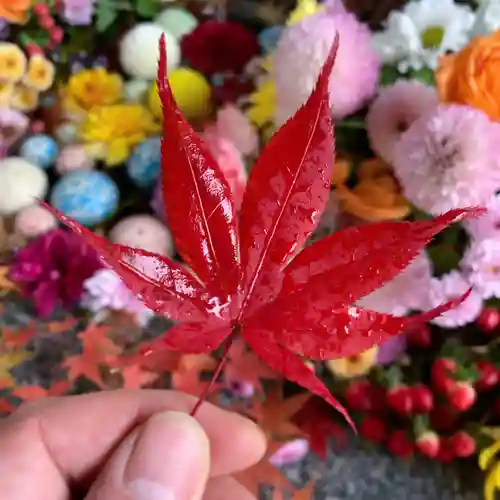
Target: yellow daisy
12, 62
40, 73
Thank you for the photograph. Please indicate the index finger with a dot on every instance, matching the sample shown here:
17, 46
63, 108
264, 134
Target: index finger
76, 434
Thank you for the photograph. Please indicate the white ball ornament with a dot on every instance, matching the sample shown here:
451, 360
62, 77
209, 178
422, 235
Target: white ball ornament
21, 184
139, 51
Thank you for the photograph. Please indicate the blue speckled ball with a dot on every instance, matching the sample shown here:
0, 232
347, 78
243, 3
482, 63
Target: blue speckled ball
268, 38
89, 196
40, 149
144, 164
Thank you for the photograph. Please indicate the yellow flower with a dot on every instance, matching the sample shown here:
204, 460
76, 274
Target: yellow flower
12, 62
6, 92
262, 104
303, 9
91, 88
40, 73
353, 366
119, 128
24, 98
487, 462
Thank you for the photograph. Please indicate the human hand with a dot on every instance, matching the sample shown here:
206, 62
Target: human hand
125, 445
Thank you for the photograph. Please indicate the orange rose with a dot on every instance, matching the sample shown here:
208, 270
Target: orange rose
14, 11
471, 75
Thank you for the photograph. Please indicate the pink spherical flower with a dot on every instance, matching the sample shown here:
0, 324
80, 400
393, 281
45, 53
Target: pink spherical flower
301, 52
290, 453
230, 161
449, 158
392, 112
33, 221
450, 286
480, 265
233, 125
407, 291
488, 225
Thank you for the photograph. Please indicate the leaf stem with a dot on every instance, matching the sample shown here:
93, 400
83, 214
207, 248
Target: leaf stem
220, 365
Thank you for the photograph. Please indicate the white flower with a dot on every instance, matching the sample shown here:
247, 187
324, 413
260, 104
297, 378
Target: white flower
422, 31
487, 18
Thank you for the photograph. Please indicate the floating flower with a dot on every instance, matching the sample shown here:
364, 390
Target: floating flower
471, 75
392, 112
104, 290
15, 11
488, 225
301, 51
13, 125
486, 18
24, 98
53, 268
12, 62
290, 453
78, 12
448, 159
6, 92
376, 196
218, 47
229, 160
481, 266
353, 366
407, 291
422, 31
450, 286
91, 88
262, 104
118, 128
40, 73
234, 125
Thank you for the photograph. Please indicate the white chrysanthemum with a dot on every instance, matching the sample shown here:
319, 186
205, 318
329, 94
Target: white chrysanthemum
422, 31
487, 18
480, 265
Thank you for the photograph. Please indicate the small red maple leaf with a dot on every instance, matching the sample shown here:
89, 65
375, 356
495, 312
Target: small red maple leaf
248, 278
36, 392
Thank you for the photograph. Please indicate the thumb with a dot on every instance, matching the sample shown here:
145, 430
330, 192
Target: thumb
167, 458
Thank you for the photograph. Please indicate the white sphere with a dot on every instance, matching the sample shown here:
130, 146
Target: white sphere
21, 184
139, 51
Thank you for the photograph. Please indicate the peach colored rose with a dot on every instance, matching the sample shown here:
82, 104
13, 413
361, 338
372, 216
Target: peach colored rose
471, 75
14, 11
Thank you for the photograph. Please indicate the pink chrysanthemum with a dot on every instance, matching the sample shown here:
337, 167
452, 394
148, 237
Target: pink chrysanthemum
301, 52
393, 111
449, 158
488, 225
407, 291
450, 286
480, 265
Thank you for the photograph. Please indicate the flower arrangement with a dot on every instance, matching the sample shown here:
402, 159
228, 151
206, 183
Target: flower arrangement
416, 113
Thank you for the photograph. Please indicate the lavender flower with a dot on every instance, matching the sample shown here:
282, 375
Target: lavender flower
78, 12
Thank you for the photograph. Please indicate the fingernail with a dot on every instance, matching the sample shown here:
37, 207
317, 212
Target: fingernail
170, 459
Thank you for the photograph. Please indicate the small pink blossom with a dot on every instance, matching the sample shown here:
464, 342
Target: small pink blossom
449, 158
450, 286
481, 266
78, 12
392, 112
488, 225
290, 453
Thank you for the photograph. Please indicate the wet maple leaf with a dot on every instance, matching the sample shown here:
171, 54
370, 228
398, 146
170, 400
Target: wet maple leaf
250, 278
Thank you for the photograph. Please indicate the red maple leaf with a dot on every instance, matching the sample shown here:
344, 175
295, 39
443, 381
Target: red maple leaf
245, 280
17, 338
35, 392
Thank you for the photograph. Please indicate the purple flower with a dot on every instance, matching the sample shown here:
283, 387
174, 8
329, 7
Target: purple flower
53, 268
78, 12
390, 350
105, 290
290, 453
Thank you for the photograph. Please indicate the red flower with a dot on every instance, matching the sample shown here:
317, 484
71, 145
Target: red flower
52, 269
219, 47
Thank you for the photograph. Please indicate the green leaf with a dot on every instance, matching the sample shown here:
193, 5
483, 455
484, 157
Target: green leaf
388, 75
425, 75
106, 15
444, 258
147, 8
40, 38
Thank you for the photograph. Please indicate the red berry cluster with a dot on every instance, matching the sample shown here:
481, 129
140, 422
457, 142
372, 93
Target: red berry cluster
46, 21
